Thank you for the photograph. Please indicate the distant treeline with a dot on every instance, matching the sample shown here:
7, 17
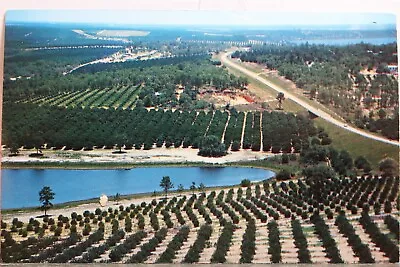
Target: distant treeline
189, 72
49, 63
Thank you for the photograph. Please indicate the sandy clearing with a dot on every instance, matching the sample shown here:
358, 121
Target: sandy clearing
155, 155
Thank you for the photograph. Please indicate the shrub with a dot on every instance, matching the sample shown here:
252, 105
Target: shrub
86, 230
274, 244
245, 183
235, 146
300, 242
58, 231
283, 175
248, 246
203, 235
285, 158
211, 146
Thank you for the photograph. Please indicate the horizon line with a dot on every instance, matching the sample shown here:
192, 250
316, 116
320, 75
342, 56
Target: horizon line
198, 25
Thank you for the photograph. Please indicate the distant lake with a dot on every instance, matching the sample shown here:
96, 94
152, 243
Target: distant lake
346, 41
20, 187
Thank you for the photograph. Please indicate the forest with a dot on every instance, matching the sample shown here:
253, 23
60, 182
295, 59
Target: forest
50, 62
354, 80
159, 82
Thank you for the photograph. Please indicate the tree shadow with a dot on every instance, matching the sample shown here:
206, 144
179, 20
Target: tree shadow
119, 152
44, 216
36, 155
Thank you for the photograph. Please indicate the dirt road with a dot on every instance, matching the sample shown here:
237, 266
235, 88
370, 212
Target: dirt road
226, 60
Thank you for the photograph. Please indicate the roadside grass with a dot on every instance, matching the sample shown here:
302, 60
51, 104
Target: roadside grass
358, 145
287, 86
265, 92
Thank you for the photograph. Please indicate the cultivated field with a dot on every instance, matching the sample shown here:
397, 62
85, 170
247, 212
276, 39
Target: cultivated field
339, 221
114, 97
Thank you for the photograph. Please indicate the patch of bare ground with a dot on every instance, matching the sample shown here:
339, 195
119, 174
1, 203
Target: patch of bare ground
261, 255
288, 249
317, 252
133, 156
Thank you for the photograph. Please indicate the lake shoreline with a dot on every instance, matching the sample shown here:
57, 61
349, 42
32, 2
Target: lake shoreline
213, 176
123, 198
127, 165
106, 159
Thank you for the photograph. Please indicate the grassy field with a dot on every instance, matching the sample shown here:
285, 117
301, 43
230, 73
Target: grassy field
358, 145
265, 92
287, 85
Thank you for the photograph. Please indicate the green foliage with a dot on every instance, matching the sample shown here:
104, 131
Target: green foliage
166, 184
285, 158
211, 146
274, 245
202, 187
180, 188
45, 197
129, 243
174, 246
235, 146
360, 249
318, 173
329, 70
245, 183
381, 240
203, 235
248, 246
389, 167
300, 242
283, 175
322, 230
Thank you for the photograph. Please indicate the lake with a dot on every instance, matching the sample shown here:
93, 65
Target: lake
347, 41
20, 187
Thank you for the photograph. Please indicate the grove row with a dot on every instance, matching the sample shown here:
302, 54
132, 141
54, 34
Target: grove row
31, 126
257, 224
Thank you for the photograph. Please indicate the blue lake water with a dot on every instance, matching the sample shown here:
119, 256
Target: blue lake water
347, 41
20, 187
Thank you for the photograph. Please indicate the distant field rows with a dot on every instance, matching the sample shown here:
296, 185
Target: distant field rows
118, 97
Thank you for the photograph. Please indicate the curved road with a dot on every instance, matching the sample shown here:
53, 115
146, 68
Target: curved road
228, 61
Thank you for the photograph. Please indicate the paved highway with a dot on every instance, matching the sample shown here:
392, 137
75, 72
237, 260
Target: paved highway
226, 60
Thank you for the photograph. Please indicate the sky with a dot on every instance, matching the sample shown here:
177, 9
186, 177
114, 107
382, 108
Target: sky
175, 17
